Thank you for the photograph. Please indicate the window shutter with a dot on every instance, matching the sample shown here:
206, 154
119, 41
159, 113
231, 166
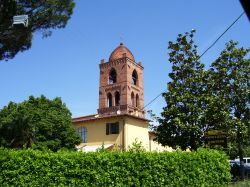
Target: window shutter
107, 128
117, 127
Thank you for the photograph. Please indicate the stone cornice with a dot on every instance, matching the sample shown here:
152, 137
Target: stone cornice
119, 61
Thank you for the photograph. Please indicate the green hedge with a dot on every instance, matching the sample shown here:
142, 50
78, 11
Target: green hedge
36, 168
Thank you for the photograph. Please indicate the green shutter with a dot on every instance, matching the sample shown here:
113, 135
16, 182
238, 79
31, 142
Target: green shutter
117, 127
107, 128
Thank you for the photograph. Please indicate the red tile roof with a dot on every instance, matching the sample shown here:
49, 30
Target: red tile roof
119, 53
97, 117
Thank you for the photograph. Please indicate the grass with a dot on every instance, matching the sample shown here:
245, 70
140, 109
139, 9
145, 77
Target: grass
245, 183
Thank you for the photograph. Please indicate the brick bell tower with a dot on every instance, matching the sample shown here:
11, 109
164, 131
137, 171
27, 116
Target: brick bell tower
121, 84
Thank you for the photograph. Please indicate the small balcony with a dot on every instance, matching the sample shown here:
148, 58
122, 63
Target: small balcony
122, 109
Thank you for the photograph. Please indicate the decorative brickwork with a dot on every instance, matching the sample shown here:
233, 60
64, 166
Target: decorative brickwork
122, 78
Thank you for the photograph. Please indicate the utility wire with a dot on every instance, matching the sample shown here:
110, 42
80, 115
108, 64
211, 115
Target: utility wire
152, 100
202, 53
222, 34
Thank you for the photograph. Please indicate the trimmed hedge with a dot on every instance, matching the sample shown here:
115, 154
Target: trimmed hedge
36, 168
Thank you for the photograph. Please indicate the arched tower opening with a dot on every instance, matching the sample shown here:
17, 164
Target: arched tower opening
117, 98
133, 99
134, 78
137, 101
109, 100
112, 76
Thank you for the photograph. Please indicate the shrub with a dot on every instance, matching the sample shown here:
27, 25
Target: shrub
37, 168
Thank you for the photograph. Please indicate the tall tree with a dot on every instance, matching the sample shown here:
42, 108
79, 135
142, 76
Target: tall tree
43, 16
230, 88
38, 123
182, 122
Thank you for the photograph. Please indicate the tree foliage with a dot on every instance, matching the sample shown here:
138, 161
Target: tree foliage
229, 77
182, 123
37, 123
136, 147
198, 100
43, 16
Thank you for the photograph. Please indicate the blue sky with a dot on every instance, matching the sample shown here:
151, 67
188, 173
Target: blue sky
66, 64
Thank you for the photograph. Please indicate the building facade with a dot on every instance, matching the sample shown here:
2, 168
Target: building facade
120, 118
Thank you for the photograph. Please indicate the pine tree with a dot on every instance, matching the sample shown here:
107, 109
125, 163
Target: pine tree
43, 17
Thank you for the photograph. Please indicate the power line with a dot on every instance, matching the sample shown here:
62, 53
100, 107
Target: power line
153, 100
222, 34
202, 53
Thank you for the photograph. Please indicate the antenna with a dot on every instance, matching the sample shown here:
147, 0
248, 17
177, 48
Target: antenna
121, 39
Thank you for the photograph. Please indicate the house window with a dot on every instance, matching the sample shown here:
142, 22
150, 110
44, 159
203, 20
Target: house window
117, 98
109, 100
112, 76
134, 78
82, 131
112, 128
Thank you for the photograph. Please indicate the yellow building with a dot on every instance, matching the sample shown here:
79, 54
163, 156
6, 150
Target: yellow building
120, 120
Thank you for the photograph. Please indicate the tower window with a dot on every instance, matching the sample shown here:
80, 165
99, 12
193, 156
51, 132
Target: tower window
109, 100
82, 131
134, 78
112, 76
132, 99
137, 100
117, 98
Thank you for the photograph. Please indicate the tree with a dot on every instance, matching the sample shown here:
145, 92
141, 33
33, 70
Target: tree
182, 122
37, 123
43, 16
229, 78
